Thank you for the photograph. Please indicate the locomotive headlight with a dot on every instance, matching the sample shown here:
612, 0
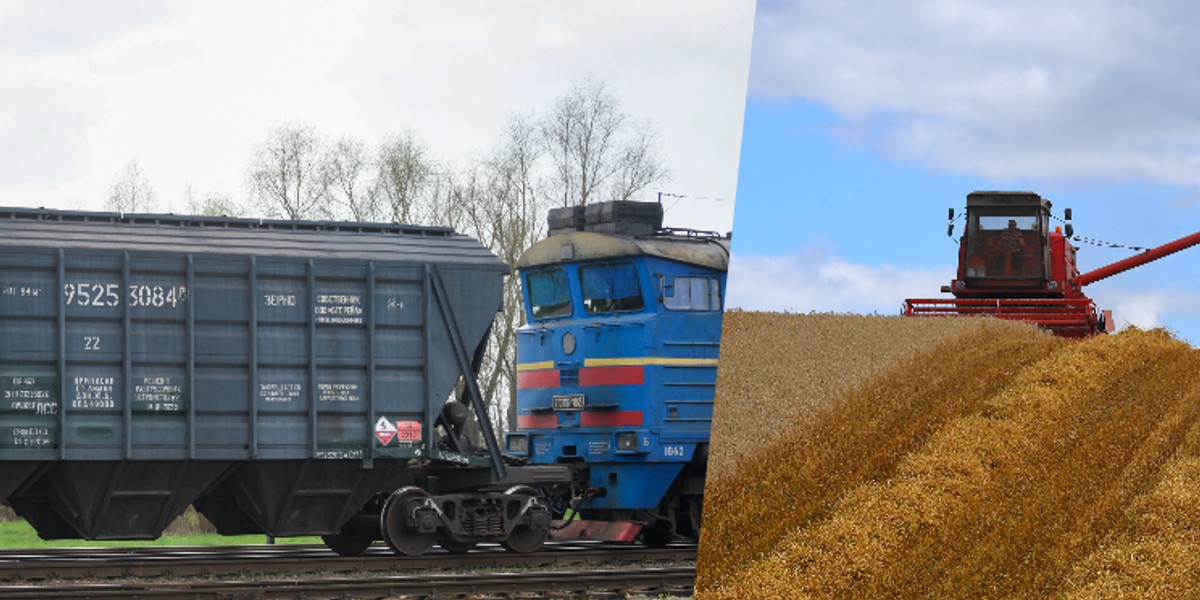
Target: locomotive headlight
517, 443
568, 343
627, 441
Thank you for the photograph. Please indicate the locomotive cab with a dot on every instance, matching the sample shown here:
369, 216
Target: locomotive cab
616, 371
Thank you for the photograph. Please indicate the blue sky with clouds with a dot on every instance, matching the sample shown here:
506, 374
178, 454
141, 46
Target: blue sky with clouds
865, 121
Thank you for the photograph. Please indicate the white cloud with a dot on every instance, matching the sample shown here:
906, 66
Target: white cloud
1107, 90
813, 280
1140, 309
1148, 308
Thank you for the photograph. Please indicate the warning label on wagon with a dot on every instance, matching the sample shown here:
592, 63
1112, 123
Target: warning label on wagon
385, 431
408, 431
400, 431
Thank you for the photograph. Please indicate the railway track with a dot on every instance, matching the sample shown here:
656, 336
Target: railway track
594, 583
311, 571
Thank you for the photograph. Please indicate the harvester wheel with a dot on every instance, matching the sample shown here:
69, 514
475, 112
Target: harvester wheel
400, 536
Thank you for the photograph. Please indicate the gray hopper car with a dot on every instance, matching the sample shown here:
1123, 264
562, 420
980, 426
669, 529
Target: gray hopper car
287, 378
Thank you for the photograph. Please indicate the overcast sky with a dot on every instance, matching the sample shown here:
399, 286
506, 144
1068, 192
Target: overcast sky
867, 120
187, 89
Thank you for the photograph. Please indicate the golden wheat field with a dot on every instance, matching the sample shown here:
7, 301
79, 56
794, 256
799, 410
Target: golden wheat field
875, 457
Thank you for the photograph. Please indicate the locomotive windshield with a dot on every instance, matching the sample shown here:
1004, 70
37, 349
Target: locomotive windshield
549, 295
611, 287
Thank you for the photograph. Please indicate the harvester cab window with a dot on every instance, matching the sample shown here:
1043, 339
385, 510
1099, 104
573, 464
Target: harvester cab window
549, 294
1005, 245
691, 293
611, 287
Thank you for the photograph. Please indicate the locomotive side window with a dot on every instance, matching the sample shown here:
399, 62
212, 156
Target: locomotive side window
692, 293
549, 295
611, 288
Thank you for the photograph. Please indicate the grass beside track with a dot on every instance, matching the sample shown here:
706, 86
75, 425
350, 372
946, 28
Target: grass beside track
18, 534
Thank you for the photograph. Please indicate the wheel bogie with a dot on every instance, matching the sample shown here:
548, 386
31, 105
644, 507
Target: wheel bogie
412, 521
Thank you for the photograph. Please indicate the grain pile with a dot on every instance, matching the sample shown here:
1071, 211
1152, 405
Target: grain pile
784, 364
994, 462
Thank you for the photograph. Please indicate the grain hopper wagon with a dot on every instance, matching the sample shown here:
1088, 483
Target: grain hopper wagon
1013, 265
284, 377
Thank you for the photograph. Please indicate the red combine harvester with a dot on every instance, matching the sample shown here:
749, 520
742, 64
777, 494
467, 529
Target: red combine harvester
1011, 265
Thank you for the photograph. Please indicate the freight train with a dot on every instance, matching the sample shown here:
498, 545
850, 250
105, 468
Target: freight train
284, 377
617, 368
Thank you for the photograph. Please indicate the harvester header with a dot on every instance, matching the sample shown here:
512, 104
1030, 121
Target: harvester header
1013, 265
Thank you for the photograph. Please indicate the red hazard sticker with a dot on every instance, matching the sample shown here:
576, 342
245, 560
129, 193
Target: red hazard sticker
385, 431
408, 431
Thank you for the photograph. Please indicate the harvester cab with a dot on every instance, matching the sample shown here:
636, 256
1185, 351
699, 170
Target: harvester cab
1008, 250
1013, 265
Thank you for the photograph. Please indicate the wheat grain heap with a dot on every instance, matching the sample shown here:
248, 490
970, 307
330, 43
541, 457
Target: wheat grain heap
950, 458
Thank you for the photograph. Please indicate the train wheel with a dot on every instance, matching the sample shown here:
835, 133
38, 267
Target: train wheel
528, 538
351, 541
525, 539
657, 535
401, 537
454, 546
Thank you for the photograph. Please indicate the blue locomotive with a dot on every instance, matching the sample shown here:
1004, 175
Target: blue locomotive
617, 367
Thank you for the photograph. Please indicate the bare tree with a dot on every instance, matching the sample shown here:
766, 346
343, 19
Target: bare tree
503, 209
347, 171
131, 191
597, 151
636, 167
287, 175
211, 204
404, 174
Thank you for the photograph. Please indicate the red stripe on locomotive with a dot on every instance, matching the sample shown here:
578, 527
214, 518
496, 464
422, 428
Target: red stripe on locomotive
537, 421
635, 375
620, 418
544, 378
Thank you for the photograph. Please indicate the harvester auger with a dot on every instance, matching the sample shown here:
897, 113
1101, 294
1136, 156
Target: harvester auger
1011, 265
